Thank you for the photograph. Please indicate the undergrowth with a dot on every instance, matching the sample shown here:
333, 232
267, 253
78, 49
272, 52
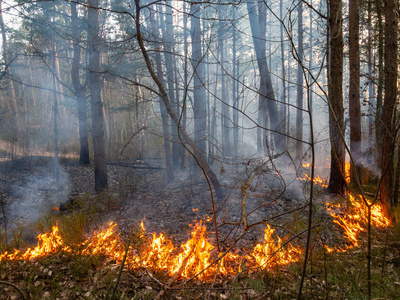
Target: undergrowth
76, 276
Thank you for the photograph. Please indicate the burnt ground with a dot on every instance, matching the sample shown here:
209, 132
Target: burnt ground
140, 191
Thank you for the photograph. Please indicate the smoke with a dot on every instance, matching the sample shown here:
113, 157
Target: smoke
37, 194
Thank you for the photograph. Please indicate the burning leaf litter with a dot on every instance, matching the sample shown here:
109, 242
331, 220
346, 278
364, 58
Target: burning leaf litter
196, 257
356, 221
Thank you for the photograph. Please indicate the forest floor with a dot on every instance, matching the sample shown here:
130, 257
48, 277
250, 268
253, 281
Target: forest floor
139, 191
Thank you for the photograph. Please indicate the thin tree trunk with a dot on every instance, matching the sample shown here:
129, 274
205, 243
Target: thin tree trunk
10, 83
337, 180
168, 41
284, 110
98, 123
299, 102
199, 107
267, 96
235, 95
371, 85
194, 147
79, 90
354, 92
378, 113
164, 115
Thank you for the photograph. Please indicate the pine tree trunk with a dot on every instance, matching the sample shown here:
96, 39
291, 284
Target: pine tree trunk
337, 180
388, 109
98, 122
84, 158
354, 92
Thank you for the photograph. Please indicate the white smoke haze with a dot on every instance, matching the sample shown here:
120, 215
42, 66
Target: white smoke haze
37, 194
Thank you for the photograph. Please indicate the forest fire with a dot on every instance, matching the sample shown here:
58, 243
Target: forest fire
196, 257
317, 179
356, 221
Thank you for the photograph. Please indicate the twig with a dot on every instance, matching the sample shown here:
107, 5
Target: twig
14, 286
133, 135
114, 289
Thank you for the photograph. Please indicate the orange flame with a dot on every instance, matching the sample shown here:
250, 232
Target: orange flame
195, 257
347, 171
354, 223
317, 180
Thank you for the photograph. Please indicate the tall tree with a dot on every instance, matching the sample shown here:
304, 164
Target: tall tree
354, 91
10, 83
379, 96
222, 48
98, 122
199, 105
235, 86
164, 115
284, 110
388, 110
337, 180
79, 88
267, 101
299, 102
167, 27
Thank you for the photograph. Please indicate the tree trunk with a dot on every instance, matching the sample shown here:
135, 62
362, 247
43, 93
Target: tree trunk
194, 147
10, 83
371, 84
337, 180
378, 113
299, 102
225, 119
266, 93
235, 86
79, 90
164, 115
199, 106
284, 110
98, 126
168, 41
388, 110
354, 92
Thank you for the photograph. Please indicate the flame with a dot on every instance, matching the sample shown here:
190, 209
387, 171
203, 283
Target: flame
347, 171
306, 165
317, 180
196, 257
356, 222
270, 253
